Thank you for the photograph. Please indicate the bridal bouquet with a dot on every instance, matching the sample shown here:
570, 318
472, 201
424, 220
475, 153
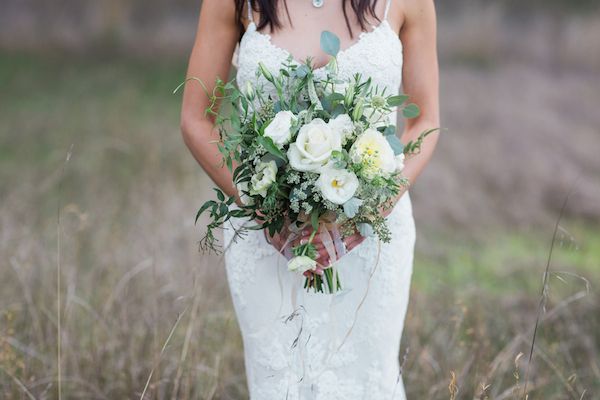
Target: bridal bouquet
310, 150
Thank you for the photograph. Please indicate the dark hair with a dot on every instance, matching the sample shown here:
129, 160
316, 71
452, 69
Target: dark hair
268, 12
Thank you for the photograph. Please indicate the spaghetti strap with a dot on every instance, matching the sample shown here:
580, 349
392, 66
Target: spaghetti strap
387, 9
250, 17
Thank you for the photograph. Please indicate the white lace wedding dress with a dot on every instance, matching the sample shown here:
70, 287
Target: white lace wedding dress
300, 345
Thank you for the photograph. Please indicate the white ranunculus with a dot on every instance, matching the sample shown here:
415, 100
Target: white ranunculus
266, 173
400, 162
313, 147
242, 189
342, 124
372, 150
337, 185
280, 128
301, 264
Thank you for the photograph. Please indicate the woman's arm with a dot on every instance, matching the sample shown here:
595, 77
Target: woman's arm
215, 43
420, 77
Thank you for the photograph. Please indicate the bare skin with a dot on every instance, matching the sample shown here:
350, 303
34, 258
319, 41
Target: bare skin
217, 36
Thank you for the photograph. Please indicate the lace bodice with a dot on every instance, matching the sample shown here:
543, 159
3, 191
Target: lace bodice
376, 54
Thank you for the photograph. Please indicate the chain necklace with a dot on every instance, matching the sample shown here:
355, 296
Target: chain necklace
318, 3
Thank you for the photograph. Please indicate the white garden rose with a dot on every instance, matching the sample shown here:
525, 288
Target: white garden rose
372, 150
280, 128
342, 124
302, 264
266, 173
400, 162
313, 147
337, 185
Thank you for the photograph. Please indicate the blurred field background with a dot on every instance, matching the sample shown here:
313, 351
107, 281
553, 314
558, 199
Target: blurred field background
142, 312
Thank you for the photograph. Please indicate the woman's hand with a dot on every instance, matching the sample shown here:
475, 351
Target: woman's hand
278, 241
323, 258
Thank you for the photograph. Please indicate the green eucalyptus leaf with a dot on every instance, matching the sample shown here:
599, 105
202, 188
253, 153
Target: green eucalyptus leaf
330, 43
327, 104
395, 144
411, 111
389, 130
333, 97
339, 109
394, 101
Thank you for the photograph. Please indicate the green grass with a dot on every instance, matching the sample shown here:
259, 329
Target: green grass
130, 265
510, 262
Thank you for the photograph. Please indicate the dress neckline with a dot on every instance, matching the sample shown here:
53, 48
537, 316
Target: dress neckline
251, 28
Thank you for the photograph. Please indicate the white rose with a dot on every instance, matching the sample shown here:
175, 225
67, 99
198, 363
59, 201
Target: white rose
337, 185
372, 150
301, 264
342, 124
280, 128
266, 173
313, 147
400, 162
242, 189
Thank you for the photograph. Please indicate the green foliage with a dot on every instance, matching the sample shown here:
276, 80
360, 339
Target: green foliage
268, 144
411, 111
330, 43
395, 143
414, 147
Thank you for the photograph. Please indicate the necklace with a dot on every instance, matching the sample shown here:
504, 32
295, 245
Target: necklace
318, 3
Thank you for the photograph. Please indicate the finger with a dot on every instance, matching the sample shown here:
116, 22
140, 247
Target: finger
353, 240
324, 261
320, 245
297, 241
323, 253
279, 246
352, 243
306, 232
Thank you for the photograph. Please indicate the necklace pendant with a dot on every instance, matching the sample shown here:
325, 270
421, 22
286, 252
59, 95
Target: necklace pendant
318, 3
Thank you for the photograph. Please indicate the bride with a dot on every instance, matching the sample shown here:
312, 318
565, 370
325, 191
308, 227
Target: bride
298, 344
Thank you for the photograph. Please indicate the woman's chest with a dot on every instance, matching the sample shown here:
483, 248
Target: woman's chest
376, 54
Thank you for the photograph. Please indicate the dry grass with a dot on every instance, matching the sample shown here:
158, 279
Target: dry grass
141, 310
